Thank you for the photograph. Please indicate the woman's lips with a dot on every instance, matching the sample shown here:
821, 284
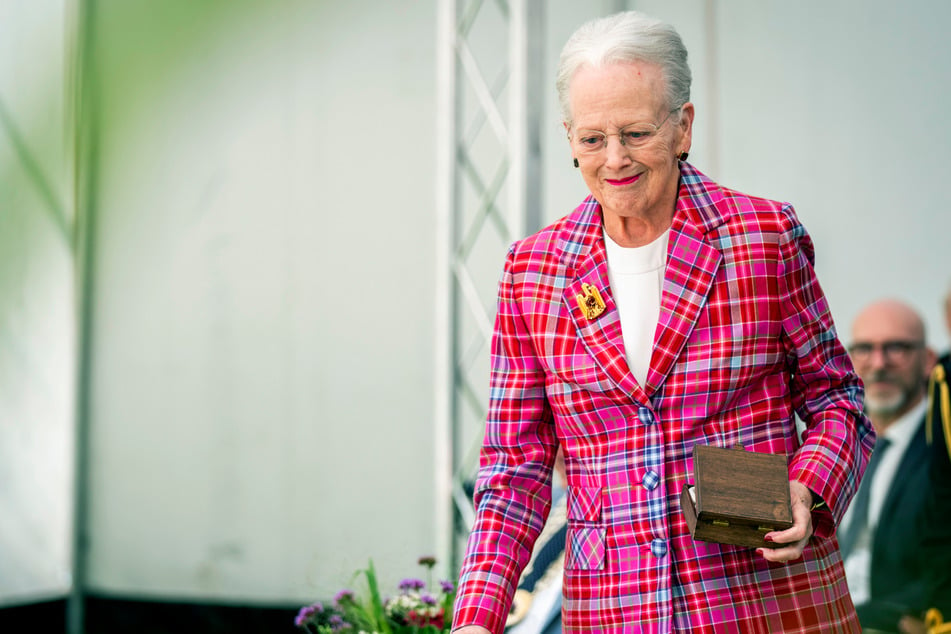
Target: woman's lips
623, 181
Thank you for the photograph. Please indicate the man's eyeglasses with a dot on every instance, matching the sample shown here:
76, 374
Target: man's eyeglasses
634, 135
892, 351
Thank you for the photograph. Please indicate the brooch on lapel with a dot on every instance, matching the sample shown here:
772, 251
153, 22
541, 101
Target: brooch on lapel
590, 302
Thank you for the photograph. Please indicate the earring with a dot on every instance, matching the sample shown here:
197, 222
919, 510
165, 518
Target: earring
576, 162
683, 156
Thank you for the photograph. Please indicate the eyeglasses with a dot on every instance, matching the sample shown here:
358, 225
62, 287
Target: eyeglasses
892, 351
633, 136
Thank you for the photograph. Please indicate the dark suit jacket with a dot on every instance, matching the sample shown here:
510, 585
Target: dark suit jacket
897, 577
936, 548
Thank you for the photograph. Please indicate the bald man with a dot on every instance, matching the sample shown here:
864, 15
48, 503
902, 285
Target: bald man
880, 535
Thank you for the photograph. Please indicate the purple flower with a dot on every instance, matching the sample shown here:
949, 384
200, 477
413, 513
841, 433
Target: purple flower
344, 596
304, 615
427, 598
447, 587
412, 584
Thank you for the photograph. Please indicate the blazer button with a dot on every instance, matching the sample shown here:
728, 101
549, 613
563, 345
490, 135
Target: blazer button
645, 415
658, 547
650, 480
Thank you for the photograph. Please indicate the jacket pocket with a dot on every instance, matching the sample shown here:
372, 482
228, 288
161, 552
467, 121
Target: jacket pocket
585, 548
584, 504
585, 543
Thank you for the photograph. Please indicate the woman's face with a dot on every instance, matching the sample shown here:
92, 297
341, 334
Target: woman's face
628, 181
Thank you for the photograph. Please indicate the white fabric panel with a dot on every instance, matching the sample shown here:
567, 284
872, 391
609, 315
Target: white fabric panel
37, 335
262, 409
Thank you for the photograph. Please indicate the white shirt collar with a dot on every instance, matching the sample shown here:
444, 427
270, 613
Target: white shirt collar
903, 430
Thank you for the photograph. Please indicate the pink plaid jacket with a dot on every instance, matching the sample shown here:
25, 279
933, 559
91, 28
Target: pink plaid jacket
745, 341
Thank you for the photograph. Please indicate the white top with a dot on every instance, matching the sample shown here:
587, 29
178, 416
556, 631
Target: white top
858, 564
636, 276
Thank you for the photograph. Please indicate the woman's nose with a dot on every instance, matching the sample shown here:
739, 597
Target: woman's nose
616, 154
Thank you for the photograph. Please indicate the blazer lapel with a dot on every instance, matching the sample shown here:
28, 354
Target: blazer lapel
915, 456
587, 266
692, 264
601, 335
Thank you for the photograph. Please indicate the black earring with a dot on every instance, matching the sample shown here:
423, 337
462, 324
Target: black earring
683, 156
576, 162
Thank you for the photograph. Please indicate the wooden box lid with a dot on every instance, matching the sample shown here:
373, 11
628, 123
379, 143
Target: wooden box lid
737, 497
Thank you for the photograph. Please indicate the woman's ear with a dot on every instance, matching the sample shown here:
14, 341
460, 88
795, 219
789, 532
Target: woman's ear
686, 128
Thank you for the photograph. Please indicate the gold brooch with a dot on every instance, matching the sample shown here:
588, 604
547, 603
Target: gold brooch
590, 302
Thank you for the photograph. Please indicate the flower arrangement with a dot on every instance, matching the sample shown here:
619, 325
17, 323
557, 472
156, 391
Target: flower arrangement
416, 609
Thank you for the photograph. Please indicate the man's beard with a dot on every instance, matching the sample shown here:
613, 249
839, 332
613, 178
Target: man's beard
889, 406
893, 404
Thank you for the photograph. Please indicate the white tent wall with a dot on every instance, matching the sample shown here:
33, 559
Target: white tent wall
840, 108
261, 387
261, 409
37, 312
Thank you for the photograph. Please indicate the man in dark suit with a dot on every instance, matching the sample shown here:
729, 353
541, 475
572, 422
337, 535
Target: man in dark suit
935, 550
881, 533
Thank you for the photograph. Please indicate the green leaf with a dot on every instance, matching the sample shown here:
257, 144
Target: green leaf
376, 603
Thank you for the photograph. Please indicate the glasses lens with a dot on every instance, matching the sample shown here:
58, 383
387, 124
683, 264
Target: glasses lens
590, 141
892, 351
632, 136
636, 135
899, 349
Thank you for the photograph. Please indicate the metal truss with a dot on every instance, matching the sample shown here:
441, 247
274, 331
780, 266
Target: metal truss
488, 194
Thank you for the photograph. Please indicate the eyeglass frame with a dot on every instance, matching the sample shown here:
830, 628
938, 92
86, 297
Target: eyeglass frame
893, 351
604, 135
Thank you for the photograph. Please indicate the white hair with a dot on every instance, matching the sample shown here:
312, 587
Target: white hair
629, 36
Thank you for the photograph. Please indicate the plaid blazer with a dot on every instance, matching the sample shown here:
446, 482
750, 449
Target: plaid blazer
745, 341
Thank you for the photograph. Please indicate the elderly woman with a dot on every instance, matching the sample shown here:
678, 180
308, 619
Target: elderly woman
666, 311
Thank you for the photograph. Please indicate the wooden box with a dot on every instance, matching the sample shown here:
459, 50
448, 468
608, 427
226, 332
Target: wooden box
738, 496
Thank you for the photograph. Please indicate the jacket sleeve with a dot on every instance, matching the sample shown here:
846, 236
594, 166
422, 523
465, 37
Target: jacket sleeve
513, 489
828, 395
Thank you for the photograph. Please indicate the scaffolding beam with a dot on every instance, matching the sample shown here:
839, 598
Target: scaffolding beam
470, 203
